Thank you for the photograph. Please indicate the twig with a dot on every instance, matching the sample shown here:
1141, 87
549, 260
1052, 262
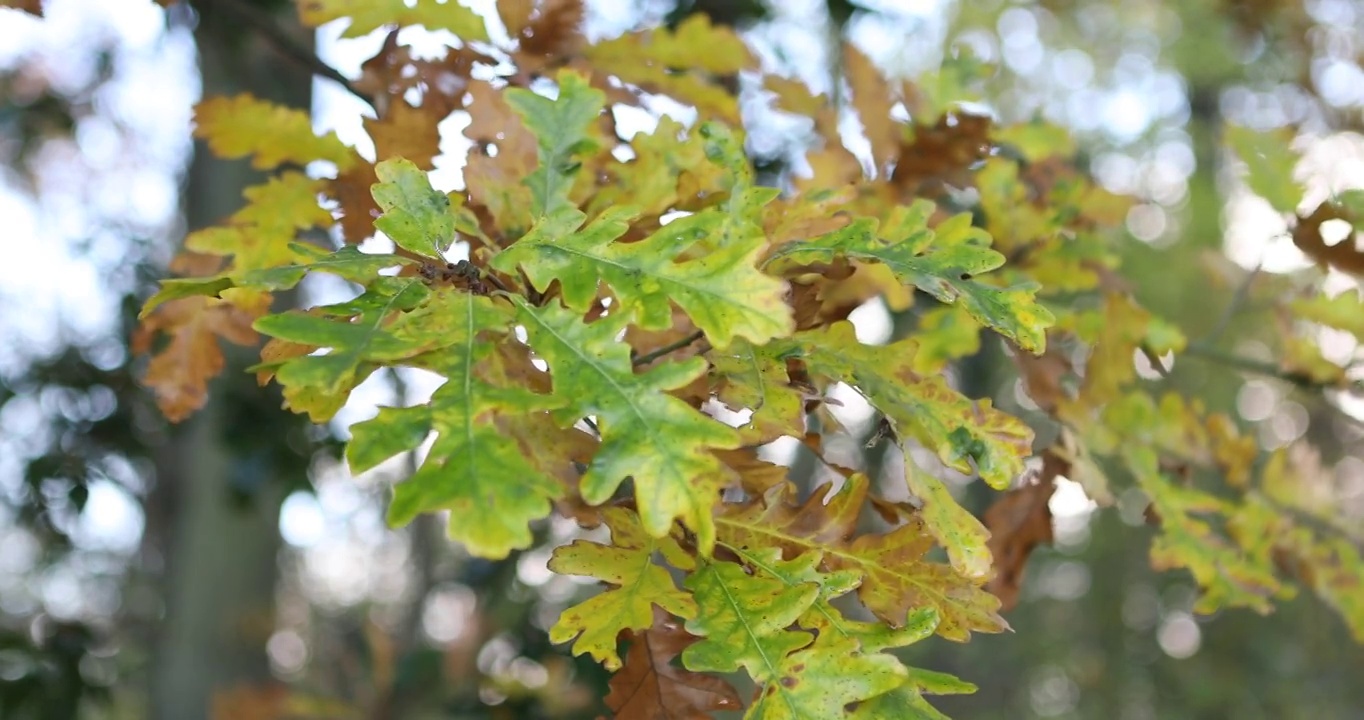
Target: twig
1257, 367
285, 45
1237, 300
653, 355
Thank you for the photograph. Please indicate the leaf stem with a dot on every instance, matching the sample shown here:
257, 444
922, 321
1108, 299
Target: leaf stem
655, 354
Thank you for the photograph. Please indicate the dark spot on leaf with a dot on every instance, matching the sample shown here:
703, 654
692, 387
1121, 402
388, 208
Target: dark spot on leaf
789, 682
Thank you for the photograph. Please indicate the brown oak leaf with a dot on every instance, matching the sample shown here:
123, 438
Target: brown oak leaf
650, 687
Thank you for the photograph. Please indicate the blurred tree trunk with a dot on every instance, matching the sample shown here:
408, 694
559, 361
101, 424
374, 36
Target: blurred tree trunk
213, 513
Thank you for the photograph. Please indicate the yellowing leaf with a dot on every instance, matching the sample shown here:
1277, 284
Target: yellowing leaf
722, 292
662, 60
871, 97
659, 440
260, 235
743, 620
942, 262
474, 470
896, 580
367, 16
956, 529
639, 585
242, 125
755, 378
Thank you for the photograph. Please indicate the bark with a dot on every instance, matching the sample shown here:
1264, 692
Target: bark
213, 511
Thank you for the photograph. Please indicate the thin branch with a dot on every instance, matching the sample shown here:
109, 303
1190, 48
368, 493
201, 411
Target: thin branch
1250, 365
653, 355
1237, 300
286, 45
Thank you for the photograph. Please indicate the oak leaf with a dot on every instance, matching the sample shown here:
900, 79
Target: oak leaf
273, 135
650, 687
638, 585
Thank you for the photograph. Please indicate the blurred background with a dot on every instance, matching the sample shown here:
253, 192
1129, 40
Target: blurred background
230, 567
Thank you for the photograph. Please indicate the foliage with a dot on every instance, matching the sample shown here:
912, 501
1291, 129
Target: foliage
608, 308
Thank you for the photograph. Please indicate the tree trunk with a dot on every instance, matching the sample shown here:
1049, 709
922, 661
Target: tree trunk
213, 512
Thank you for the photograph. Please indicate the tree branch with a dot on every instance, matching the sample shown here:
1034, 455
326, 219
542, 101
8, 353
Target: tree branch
286, 45
653, 355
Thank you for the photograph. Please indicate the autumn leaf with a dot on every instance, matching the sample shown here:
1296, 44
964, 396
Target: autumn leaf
179, 372
871, 97
942, 262
366, 16
638, 586
649, 686
675, 478
895, 577
723, 293
967, 436
678, 62
273, 135
473, 465
956, 529
754, 377
1019, 522
261, 234
743, 620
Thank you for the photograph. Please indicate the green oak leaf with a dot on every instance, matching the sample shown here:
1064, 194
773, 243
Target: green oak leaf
638, 585
474, 470
743, 620
562, 128
357, 335
961, 432
659, 440
416, 217
817, 683
1270, 160
954, 527
942, 261
722, 291
348, 263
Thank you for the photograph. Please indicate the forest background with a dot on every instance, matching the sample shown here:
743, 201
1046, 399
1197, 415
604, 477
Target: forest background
132, 545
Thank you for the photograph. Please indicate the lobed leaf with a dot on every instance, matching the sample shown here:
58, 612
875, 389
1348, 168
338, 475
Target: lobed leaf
942, 262
639, 586
479, 473
238, 126
722, 292
660, 441
965, 435
562, 128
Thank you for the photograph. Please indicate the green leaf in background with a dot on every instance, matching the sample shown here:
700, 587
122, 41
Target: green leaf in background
722, 292
474, 469
659, 440
562, 127
416, 217
1270, 160
941, 261
639, 584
